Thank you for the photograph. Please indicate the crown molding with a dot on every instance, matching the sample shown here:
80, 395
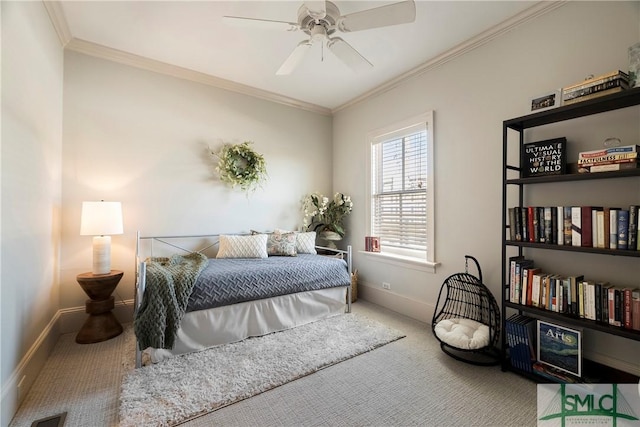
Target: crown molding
115, 55
526, 15
58, 20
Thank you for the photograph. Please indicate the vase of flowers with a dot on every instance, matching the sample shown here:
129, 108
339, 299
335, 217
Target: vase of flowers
325, 216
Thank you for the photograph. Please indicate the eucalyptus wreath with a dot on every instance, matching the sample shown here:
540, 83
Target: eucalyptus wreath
239, 165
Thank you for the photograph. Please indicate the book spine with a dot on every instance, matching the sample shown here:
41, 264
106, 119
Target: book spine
548, 224
595, 80
559, 225
576, 229
566, 220
618, 306
586, 226
623, 229
601, 86
610, 167
512, 223
608, 158
638, 228
597, 301
596, 94
635, 309
626, 311
600, 232
612, 306
609, 151
633, 227
518, 222
535, 289
613, 228
532, 215
525, 223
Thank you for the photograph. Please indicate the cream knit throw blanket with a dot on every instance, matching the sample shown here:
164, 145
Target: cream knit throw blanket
169, 282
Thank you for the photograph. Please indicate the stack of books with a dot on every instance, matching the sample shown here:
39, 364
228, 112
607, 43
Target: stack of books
609, 159
605, 84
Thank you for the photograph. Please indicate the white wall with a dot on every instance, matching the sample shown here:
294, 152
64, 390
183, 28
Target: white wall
471, 96
32, 68
141, 138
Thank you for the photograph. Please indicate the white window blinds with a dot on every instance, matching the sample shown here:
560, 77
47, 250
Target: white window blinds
399, 190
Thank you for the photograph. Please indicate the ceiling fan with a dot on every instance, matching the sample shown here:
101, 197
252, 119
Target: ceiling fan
321, 19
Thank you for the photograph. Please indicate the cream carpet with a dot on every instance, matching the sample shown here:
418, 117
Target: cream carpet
184, 387
409, 382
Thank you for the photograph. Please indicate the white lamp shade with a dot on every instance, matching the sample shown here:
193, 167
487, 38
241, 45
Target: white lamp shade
101, 218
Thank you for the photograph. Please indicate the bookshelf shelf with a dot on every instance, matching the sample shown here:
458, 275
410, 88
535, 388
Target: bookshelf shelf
601, 251
594, 373
575, 177
515, 186
576, 321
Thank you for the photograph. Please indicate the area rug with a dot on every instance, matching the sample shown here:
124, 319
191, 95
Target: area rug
184, 387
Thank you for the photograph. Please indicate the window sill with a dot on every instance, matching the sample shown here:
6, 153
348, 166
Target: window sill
402, 261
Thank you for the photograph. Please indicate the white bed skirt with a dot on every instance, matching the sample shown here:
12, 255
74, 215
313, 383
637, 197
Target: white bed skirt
222, 325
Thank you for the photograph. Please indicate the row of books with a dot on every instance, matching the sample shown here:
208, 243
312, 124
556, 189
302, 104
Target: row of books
530, 354
520, 333
573, 295
584, 226
609, 159
613, 82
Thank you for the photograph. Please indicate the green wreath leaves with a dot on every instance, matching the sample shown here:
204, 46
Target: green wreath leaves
239, 165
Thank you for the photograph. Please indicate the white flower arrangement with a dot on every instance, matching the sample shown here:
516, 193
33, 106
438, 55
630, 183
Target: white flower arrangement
322, 214
239, 165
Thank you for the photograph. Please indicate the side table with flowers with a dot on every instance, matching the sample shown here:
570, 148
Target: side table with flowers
326, 217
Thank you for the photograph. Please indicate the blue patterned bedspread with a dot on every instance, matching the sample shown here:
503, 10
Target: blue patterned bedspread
230, 281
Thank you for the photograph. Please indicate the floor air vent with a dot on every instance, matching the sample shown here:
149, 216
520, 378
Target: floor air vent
54, 421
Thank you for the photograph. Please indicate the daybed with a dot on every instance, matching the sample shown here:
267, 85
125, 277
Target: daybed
240, 289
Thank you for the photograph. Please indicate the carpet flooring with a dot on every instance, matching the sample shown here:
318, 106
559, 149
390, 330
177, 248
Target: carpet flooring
177, 389
405, 383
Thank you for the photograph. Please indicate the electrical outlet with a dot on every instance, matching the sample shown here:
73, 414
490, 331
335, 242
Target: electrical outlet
386, 285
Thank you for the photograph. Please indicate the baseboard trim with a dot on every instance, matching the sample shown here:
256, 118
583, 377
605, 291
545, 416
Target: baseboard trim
614, 363
19, 383
72, 319
424, 312
400, 304
66, 320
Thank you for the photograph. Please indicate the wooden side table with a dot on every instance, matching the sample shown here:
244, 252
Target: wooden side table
101, 324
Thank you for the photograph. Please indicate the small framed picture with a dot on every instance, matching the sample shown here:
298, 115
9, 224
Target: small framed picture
546, 101
560, 347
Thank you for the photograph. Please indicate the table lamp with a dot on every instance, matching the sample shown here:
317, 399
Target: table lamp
101, 220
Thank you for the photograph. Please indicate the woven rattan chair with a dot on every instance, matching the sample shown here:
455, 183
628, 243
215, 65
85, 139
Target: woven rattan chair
466, 319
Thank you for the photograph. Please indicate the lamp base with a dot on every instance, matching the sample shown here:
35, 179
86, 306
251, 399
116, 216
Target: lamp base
101, 255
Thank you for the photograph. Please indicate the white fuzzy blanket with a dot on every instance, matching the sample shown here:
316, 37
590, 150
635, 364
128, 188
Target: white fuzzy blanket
186, 386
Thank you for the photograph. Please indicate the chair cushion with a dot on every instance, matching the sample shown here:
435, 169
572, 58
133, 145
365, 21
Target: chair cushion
464, 334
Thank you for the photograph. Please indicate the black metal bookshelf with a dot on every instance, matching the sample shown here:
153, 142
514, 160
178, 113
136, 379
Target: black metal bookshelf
624, 99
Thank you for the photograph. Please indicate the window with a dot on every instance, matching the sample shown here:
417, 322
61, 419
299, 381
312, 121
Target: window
401, 208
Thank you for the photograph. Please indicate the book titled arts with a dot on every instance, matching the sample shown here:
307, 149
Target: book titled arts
560, 347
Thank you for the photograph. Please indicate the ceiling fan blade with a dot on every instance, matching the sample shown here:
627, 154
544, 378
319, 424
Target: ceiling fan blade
348, 54
266, 24
383, 16
294, 58
317, 9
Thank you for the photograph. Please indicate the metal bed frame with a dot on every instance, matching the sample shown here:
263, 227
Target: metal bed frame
140, 267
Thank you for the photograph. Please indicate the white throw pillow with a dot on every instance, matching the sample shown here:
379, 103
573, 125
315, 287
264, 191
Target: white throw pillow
254, 246
306, 242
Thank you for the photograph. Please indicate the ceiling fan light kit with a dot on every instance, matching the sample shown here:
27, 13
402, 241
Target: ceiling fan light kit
321, 19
